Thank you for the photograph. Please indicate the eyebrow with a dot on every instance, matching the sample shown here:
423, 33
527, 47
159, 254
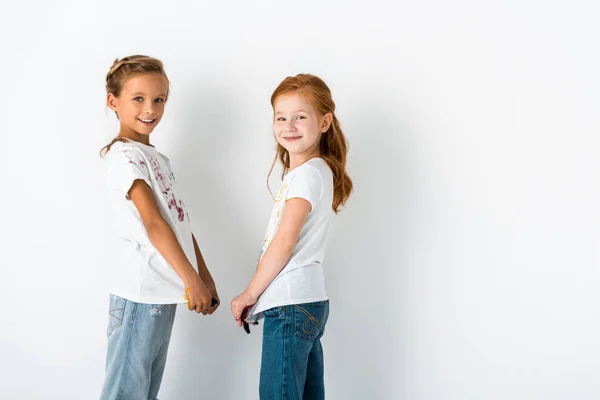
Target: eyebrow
281, 112
138, 93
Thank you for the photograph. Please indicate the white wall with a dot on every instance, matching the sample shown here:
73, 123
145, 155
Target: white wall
466, 263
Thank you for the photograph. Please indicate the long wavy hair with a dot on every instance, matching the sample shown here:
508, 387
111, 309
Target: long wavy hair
333, 146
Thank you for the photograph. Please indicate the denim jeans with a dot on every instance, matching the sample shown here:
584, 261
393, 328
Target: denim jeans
138, 341
292, 355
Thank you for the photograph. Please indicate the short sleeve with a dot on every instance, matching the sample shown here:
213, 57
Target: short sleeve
306, 184
126, 165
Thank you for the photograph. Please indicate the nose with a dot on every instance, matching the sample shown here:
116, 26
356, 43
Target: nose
289, 125
148, 110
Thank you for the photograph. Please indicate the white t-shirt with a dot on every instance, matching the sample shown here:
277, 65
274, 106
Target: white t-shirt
140, 272
301, 280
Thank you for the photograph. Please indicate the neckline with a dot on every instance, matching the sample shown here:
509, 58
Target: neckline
135, 142
307, 161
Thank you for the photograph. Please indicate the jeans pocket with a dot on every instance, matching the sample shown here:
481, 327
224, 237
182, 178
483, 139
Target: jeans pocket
116, 310
310, 319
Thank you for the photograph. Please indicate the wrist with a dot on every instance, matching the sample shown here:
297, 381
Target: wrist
252, 294
192, 280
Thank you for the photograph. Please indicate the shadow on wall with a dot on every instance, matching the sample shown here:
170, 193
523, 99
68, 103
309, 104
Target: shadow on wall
205, 350
367, 260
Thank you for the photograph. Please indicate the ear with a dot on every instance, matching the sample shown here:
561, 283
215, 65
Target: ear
112, 102
326, 122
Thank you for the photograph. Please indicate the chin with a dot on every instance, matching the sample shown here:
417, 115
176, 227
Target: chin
291, 150
145, 132
290, 147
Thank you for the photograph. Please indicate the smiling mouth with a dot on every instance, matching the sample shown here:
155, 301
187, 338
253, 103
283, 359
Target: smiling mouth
146, 121
292, 137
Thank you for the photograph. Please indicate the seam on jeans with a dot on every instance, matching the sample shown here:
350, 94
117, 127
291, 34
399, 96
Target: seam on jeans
172, 308
283, 364
135, 305
164, 343
172, 313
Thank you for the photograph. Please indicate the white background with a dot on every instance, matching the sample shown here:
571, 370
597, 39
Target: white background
466, 263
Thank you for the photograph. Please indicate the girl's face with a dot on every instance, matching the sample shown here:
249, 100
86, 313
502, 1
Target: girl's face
141, 103
298, 126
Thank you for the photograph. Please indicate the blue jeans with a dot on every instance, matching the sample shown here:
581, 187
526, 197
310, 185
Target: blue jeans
292, 355
138, 341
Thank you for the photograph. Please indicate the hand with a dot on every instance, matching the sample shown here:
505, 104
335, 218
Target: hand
239, 303
213, 292
198, 296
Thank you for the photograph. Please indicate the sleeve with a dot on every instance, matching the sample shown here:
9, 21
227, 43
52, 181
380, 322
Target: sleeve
306, 184
126, 165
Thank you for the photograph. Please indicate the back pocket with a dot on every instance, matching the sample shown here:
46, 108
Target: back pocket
310, 319
116, 310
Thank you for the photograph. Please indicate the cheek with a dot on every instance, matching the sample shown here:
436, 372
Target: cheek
129, 109
309, 127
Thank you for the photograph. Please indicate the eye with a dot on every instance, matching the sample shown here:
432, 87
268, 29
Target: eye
300, 117
160, 100
281, 119
139, 98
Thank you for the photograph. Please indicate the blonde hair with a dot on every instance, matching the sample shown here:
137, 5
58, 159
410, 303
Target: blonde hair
333, 146
124, 69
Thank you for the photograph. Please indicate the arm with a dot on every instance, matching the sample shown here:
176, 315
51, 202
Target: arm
278, 253
205, 275
163, 238
202, 268
281, 247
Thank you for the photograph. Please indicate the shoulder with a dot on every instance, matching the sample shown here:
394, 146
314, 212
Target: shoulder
125, 159
310, 169
314, 171
127, 153
307, 181
121, 150
321, 166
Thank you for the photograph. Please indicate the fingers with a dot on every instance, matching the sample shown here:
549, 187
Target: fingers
200, 300
211, 310
198, 307
201, 309
204, 307
214, 304
235, 311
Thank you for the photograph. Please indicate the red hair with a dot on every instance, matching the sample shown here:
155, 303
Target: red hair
333, 146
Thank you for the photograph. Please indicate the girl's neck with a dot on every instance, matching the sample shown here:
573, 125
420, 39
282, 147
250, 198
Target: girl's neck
297, 160
134, 136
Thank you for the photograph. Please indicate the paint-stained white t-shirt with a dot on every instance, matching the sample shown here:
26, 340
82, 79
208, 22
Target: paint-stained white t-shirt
301, 280
140, 273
